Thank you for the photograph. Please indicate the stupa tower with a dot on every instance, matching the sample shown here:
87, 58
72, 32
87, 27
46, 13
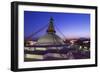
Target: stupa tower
50, 38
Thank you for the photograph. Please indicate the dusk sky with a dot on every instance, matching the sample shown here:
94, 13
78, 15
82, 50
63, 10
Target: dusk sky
70, 24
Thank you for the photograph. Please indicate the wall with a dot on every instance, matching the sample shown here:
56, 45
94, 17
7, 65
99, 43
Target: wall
5, 35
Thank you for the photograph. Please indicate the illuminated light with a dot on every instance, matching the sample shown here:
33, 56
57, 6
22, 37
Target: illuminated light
80, 47
31, 43
32, 49
85, 41
29, 48
43, 49
26, 48
85, 47
34, 56
72, 42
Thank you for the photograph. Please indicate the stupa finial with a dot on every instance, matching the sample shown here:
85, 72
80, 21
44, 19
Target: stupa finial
51, 26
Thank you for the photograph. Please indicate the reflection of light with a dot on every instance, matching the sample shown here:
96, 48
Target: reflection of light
31, 43
85, 47
33, 49
42, 49
29, 48
85, 41
80, 47
72, 41
34, 56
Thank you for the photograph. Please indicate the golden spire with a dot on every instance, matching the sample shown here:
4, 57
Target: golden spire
51, 26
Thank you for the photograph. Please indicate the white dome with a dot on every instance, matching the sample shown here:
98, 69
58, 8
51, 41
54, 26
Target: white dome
50, 39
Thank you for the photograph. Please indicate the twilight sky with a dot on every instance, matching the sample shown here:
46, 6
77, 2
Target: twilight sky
72, 25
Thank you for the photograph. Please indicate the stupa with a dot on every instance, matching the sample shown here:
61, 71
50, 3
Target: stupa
50, 38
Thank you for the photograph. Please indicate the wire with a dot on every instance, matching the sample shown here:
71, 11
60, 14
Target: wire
28, 38
60, 32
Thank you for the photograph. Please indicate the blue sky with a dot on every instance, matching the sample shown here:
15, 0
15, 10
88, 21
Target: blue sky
70, 24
